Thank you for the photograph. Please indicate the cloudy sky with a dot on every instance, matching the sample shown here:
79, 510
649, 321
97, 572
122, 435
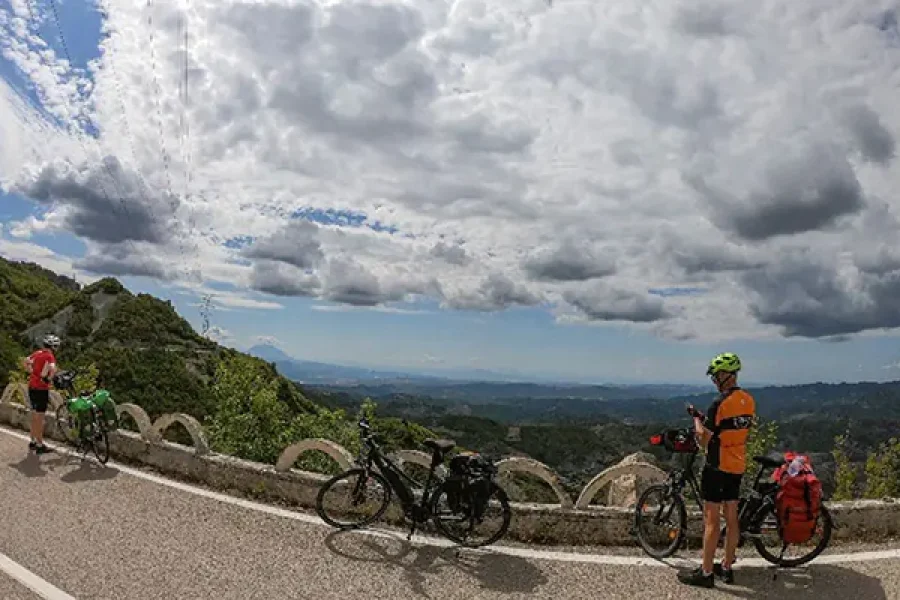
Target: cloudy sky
582, 189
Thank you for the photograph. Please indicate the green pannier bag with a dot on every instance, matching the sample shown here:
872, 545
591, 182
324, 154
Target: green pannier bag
106, 409
80, 409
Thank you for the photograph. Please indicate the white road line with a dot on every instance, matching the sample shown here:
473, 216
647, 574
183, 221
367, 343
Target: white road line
577, 557
42, 588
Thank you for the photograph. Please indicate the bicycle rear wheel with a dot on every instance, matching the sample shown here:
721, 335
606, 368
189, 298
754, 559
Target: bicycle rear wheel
769, 532
100, 441
446, 518
359, 484
666, 510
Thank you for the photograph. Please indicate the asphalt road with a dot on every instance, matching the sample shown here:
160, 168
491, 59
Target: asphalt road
112, 533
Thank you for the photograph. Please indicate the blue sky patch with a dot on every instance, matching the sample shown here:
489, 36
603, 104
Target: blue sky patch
238, 242
346, 218
676, 291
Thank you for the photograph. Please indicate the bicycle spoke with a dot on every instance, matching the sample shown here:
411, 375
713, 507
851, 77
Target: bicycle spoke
460, 522
660, 521
353, 499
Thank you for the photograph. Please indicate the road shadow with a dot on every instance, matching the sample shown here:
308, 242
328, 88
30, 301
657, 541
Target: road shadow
89, 470
33, 465
816, 582
495, 572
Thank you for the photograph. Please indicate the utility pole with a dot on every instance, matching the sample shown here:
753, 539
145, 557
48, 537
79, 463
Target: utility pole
205, 311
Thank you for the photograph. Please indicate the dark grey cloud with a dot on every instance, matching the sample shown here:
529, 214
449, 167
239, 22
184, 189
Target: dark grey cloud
479, 134
704, 20
878, 262
796, 194
876, 143
282, 279
297, 243
348, 282
496, 292
806, 297
453, 254
707, 258
569, 262
106, 204
602, 303
120, 260
626, 153
659, 88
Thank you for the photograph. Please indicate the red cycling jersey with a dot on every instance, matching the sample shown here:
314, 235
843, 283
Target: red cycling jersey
39, 360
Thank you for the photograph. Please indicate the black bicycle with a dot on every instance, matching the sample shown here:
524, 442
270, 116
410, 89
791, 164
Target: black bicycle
758, 518
462, 498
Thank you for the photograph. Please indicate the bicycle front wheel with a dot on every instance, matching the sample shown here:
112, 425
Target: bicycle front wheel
358, 486
660, 520
65, 424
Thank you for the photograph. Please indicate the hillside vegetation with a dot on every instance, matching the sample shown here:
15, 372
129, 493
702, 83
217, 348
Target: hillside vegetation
145, 353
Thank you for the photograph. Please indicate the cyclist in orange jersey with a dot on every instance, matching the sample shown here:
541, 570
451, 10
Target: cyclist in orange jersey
723, 431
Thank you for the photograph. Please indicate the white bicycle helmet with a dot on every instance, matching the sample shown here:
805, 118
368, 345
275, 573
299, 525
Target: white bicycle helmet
51, 341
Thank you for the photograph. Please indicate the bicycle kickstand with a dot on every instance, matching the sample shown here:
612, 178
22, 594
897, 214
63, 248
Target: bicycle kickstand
780, 558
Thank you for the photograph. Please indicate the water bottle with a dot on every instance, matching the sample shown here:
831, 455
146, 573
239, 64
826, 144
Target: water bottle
795, 466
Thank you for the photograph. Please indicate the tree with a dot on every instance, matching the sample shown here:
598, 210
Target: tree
845, 474
882, 468
249, 422
761, 441
86, 381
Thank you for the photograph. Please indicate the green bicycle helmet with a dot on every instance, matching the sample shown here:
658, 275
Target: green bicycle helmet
727, 361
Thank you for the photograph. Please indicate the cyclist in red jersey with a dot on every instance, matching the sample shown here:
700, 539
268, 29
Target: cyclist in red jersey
41, 366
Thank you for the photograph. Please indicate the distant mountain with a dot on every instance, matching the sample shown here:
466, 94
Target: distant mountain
269, 353
308, 371
480, 392
459, 383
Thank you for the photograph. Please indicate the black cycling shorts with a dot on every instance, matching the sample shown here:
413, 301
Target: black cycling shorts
39, 399
719, 486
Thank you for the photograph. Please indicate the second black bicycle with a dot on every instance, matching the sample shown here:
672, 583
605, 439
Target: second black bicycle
663, 505
467, 498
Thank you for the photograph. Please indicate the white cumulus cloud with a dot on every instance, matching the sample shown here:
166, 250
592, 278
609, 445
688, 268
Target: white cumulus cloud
567, 155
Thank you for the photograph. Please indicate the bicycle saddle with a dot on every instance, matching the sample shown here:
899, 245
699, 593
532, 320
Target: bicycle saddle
769, 461
442, 446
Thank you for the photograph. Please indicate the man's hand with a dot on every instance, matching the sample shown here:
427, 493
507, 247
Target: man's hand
703, 434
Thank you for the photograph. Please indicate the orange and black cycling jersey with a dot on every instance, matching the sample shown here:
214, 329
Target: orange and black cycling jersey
729, 419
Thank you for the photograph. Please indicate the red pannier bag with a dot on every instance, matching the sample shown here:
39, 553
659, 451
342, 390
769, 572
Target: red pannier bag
798, 500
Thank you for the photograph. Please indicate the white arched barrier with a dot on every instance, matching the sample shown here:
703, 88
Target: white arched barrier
538, 469
417, 457
608, 476
201, 446
290, 454
12, 388
143, 422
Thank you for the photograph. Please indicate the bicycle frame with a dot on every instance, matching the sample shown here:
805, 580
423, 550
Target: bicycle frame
681, 475
395, 476
749, 503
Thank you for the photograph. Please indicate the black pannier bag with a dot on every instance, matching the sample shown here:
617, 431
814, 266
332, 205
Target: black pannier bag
469, 483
